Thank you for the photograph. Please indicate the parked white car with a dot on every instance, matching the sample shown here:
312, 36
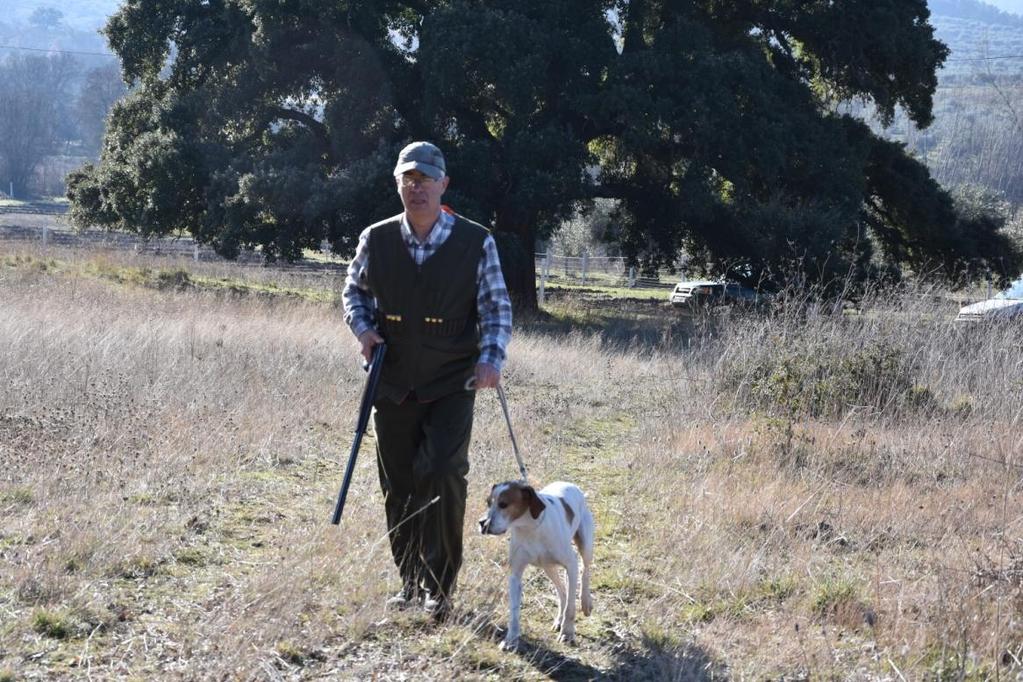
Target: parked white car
706, 292
1005, 305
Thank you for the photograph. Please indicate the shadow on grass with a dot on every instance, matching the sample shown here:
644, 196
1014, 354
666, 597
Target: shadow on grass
619, 659
649, 658
652, 661
618, 322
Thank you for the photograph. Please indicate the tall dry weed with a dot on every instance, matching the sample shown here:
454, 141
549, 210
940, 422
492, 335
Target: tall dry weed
805, 493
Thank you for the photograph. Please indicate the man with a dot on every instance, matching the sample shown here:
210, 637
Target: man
428, 282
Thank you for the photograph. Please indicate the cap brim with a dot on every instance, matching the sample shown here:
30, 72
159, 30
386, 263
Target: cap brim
424, 168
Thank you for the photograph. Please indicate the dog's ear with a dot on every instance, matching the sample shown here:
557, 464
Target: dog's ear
536, 505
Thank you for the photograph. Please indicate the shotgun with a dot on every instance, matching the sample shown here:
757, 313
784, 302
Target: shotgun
375, 366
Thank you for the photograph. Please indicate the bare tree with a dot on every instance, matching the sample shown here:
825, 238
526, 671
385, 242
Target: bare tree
103, 86
35, 91
46, 17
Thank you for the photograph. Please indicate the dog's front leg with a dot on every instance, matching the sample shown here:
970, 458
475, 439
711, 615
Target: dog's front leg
572, 575
511, 639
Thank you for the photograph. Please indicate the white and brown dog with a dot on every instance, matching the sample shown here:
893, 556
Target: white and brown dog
543, 527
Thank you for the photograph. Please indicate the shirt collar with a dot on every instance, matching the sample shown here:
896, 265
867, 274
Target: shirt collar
439, 230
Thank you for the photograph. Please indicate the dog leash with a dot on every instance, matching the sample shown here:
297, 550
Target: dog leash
470, 385
515, 446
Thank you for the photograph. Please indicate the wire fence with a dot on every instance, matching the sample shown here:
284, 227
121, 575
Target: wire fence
599, 271
551, 269
35, 209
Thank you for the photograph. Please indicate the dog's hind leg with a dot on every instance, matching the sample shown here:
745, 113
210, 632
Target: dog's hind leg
572, 576
584, 540
555, 575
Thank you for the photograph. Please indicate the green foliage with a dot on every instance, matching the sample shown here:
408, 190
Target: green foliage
738, 604
291, 652
949, 664
590, 230
172, 279
191, 556
17, 496
975, 202
54, 624
971, 243
825, 380
963, 406
137, 567
832, 595
275, 125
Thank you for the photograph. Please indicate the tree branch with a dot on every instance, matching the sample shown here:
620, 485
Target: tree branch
633, 24
316, 127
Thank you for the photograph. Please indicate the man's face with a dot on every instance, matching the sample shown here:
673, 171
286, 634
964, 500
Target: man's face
420, 194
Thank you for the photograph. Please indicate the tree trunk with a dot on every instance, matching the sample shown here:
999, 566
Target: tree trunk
518, 261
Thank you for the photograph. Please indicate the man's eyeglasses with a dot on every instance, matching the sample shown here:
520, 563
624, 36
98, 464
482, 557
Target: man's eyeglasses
408, 181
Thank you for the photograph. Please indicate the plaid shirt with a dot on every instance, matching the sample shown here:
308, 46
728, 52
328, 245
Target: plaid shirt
492, 302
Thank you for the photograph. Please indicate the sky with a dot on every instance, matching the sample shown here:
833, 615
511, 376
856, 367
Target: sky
1014, 6
91, 14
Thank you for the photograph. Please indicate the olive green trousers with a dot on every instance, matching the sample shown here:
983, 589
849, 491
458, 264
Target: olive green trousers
422, 454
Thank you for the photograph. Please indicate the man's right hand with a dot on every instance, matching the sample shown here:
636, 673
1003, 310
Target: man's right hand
368, 339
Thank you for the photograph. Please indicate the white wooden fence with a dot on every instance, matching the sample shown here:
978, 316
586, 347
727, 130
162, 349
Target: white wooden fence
585, 270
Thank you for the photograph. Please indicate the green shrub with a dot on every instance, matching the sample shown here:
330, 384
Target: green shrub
291, 653
172, 279
838, 601
832, 595
54, 624
824, 380
191, 556
18, 496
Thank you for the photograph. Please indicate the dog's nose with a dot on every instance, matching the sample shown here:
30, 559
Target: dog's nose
484, 525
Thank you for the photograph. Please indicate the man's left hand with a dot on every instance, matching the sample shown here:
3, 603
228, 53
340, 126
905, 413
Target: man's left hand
487, 376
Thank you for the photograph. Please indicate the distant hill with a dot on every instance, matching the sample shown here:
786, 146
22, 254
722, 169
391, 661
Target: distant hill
1008, 13
976, 32
1014, 6
980, 48
75, 28
977, 134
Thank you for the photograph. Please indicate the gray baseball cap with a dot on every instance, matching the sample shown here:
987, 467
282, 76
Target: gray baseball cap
423, 157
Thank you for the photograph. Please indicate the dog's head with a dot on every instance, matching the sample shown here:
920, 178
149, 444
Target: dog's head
509, 502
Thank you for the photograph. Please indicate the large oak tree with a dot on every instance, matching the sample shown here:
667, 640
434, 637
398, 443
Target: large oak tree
275, 123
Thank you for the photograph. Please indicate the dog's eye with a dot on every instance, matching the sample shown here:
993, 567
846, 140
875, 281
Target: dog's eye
502, 505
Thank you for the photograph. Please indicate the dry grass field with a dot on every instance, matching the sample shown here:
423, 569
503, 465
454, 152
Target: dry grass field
802, 495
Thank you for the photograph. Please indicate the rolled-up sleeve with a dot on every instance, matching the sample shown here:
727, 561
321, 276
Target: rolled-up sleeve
494, 307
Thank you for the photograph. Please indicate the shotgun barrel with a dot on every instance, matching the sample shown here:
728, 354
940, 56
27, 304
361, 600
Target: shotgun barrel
375, 367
